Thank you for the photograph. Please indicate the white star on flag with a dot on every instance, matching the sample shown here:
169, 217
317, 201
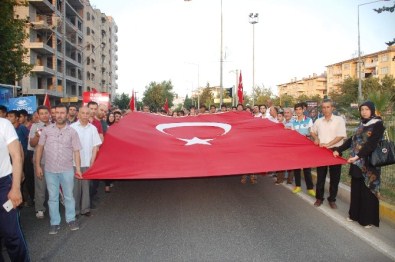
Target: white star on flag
196, 141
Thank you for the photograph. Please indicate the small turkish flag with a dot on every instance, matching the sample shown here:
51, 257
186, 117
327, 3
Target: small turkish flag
47, 103
240, 90
166, 106
131, 103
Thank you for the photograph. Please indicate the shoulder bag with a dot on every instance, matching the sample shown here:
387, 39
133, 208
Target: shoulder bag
384, 154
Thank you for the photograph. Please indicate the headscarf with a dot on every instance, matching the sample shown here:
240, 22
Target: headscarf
372, 108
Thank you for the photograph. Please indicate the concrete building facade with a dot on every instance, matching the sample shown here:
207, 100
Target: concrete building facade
310, 86
59, 46
377, 64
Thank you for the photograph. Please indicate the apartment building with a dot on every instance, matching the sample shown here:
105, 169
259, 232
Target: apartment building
59, 46
310, 86
377, 64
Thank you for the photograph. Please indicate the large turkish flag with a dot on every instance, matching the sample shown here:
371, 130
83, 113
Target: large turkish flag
144, 145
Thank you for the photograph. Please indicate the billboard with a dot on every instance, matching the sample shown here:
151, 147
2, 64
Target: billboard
100, 98
29, 103
5, 95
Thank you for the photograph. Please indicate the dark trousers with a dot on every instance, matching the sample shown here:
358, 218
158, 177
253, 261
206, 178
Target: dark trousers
28, 169
334, 174
307, 178
364, 205
10, 229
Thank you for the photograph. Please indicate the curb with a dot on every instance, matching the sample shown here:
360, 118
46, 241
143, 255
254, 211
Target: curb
387, 211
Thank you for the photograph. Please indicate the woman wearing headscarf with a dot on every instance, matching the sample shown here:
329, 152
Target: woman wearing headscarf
365, 178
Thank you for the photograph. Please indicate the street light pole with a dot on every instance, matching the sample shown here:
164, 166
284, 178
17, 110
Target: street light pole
360, 97
253, 20
221, 63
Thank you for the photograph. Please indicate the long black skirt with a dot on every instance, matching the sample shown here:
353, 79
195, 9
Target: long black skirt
364, 206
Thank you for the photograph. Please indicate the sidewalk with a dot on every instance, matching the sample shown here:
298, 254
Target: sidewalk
382, 238
387, 211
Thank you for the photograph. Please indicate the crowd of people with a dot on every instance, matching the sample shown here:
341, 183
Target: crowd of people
43, 156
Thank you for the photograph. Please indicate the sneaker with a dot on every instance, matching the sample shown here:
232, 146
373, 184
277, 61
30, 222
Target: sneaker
297, 190
349, 219
253, 179
368, 226
54, 229
311, 192
40, 214
73, 225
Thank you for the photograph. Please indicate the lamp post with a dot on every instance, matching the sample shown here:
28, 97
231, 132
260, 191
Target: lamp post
360, 97
198, 84
253, 19
221, 64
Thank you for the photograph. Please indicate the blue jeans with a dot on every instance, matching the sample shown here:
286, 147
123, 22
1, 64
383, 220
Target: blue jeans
54, 181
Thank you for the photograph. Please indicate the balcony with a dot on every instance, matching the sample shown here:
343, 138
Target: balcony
41, 91
371, 65
43, 5
337, 72
41, 48
42, 23
43, 70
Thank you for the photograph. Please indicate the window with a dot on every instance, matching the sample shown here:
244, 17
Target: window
88, 16
346, 66
384, 70
88, 31
384, 58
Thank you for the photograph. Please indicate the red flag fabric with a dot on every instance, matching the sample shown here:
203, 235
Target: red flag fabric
131, 103
150, 146
94, 90
47, 102
240, 89
166, 106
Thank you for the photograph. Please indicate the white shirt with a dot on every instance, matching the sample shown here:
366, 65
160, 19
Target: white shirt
327, 130
7, 135
89, 138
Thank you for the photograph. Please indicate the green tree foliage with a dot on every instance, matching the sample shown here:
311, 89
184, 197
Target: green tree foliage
12, 35
347, 94
381, 100
206, 97
187, 102
286, 101
122, 101
262, 95
155, 95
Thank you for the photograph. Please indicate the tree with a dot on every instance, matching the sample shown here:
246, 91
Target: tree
206, 97
122, 101
347, 94
12, 51
262, 95
286, 101
187, 102
155, 95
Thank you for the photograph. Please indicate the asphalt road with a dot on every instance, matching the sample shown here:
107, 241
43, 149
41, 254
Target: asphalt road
209, 219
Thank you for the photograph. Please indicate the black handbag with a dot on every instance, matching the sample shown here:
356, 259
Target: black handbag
384, 154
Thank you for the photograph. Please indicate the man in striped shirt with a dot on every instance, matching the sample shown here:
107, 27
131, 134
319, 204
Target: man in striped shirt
61, 144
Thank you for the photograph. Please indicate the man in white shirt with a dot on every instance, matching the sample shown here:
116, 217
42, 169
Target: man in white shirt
328, 131
10, 181
90, 141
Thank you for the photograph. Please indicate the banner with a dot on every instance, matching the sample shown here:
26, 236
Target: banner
29, 103
100, 98
5, 95
150, 146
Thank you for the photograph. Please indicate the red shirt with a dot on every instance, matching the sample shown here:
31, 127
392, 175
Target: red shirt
98, 126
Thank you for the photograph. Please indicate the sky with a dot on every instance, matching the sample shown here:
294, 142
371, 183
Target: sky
177, 40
